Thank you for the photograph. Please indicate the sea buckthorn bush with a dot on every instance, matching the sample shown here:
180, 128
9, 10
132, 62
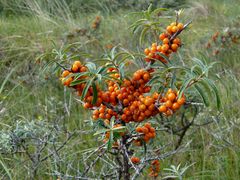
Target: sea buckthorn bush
134, 97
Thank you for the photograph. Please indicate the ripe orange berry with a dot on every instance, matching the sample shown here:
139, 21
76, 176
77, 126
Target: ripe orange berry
153, 49
177, 41
175, 106
162, 108
162, 36
74, 68
154, 44
174, 29
146, 76
169, 29
124, 117
146, 51
83, 69
145, 130
101, 115
151, 107
180, 26
169, 112
86, 105
165, 41
125, 102
147, 125
78, 63
174, 47
142, 107
168, 103
65, 73
171, 96
136, 76
94, 117
95, 112
181, 101
102, 110
135, 160
139, 129
159, 48
165, 47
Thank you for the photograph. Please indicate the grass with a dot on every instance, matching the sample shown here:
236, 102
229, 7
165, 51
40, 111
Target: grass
27, 93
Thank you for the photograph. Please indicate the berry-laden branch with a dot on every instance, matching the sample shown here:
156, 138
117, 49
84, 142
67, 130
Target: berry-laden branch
118, 102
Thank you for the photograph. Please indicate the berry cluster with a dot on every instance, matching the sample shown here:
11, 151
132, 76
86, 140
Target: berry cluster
170, 102
96, 22
154, 168
147, 131
222, 41
67, 75
168, 46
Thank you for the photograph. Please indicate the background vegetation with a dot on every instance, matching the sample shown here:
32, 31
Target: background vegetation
35, 108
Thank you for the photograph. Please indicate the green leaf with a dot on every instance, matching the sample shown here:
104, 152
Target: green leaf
95, 93
215, 90
184, 86
5, 168
110, 141
101, 131
142, 35
79, 81
85, 90
91, 67
202, 94
153, 80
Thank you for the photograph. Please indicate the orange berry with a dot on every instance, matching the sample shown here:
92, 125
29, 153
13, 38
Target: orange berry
139, 129
101, 115
147, 51
174, 29
159, 48
102, 110
147, 113
124, 117
83, 69
147, 125
74, 68
95, 112
165, 47
162, 36
162, 108
180, 26
174, 47
181, 101
175, 106
145, 130
169, 113
135, 160
146, 76
65, 73
87, 105
154, 44
78, 63
136, 76
94, 117
168, 103
169, 29
125, 102
165, 41
177, 41
171, 96
142, 107
153, 49
151, 107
